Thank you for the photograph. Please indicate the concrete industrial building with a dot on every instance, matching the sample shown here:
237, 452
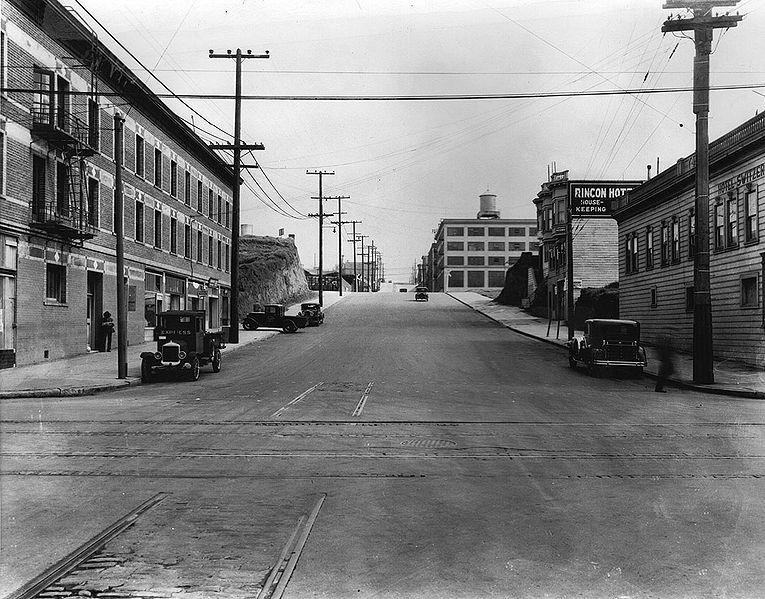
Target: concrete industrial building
657, 244
57, 243
473, 254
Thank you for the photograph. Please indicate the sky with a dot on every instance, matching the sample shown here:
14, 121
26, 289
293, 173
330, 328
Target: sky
406, 164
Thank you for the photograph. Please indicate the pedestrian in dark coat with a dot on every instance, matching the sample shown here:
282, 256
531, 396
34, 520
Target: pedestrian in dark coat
666, 362
107, 329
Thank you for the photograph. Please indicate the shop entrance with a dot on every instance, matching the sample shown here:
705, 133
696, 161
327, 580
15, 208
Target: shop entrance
94, 306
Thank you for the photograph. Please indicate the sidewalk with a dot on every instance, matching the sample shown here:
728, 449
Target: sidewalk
730, 378
93, 372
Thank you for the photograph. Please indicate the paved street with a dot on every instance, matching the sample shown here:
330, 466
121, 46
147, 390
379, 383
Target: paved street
416, 450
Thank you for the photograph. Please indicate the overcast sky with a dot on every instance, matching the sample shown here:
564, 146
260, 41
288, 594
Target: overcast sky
407, 164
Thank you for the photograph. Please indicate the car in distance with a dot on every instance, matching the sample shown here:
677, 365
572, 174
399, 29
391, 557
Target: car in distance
183, 345
608, 343
312, 311
273, 317
421, 293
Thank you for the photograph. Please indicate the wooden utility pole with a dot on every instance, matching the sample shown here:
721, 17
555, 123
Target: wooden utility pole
119, 231
339, 224
361, 275
702, 23
237, 146
321, 230
355, 279
371, 267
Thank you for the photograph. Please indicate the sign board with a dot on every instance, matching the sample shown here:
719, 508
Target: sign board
594, 200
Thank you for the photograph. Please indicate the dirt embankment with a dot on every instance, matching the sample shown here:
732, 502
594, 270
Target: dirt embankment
269, 272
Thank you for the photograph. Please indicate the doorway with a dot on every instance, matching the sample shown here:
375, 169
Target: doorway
94, 306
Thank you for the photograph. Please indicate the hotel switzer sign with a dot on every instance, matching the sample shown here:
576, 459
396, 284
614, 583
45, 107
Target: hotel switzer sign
594, 199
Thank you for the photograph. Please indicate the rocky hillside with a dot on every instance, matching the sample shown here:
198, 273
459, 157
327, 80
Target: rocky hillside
269, 272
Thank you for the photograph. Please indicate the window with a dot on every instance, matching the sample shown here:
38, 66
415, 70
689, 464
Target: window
158, 167
649, 247
93, 201
63, 110
532, 231
187, 241
219, 214
199, 246
516, 246
516, 232
139, 221
210, 206
455, 231
496, 246
187, 188
549, 220
690, 298
158, 229
675, 239
534, 246
55, 283
476, 231
228, 215
731, 221
227, 258
42, 98
456, 278
560, 209
2, 162
691, 234
496, 278
496, 261
209, 250
199, 196
139, 156
476, 246
455, 260
174, 178
476, 278
475, 261
654, 299
496, 231
631, 253
719, 226
219, 262
455, 246
3, 80
62, 189
94, 124
750, 215
664, 244
173, 235
749, 297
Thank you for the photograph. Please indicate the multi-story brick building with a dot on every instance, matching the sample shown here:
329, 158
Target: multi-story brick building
475, 253
658, 244
594, 236
58, 274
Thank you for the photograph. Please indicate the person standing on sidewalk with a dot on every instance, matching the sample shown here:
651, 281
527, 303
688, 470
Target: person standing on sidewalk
107, 329
666, 362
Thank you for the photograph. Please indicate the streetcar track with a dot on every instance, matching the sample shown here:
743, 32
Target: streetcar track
446, 423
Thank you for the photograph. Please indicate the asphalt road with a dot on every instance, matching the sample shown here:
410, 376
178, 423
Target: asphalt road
415, 449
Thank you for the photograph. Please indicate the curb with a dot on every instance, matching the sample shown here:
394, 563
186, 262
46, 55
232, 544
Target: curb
747, 394
69, 391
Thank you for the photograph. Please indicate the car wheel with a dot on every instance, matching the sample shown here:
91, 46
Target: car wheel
289, 327
249, 325
216, 361
571, 362
593, 370
637, 372
145, 370
194, 372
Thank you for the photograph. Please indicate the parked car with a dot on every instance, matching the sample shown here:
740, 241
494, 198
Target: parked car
421, 293
608, 343
183, 345
273, 317
312, 311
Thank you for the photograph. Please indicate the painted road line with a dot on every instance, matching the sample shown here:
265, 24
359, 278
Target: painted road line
300, 397
363, 400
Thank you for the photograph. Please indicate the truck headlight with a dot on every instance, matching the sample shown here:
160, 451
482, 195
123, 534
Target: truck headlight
182, 355
158, 355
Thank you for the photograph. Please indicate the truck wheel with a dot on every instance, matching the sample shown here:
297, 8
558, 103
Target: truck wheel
194, 372
289, 327
217, 359
249, 325
145, 370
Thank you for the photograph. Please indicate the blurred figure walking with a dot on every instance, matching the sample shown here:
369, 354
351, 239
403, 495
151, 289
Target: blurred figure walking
666, 362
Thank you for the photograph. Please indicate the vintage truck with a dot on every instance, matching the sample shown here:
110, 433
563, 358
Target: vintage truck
273, 317
183, 345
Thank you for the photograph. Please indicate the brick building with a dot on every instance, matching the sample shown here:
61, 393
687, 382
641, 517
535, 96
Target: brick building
594, 235
58, 273
657, 247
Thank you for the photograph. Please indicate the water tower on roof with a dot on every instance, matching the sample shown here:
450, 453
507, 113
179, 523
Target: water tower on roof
488, 205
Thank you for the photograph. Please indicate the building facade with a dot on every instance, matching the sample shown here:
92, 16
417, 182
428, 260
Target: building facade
58, 272
658, 245
591, 236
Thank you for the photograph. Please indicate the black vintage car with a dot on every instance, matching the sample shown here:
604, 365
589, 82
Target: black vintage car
312, 311
421, 293
608, 343
273, 317
183, 345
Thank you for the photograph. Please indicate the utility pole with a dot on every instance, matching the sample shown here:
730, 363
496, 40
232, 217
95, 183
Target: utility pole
237, 146
362, 238
339, 224
702, 23
355, 280
119, 231
371, 267
321, 232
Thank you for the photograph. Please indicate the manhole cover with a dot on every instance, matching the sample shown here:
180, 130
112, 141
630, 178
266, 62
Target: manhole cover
429, 443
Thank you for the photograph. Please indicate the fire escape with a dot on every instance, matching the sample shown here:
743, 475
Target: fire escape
69, 124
